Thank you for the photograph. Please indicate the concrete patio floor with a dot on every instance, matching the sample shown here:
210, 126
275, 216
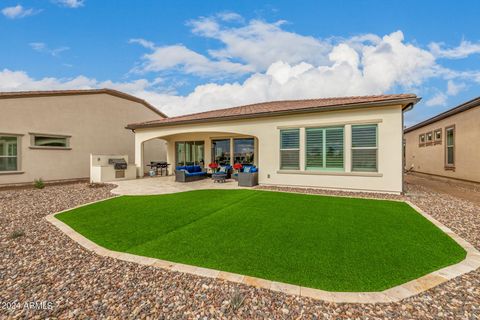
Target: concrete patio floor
167, 184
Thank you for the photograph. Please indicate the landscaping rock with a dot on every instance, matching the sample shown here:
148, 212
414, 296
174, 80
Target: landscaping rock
57, 278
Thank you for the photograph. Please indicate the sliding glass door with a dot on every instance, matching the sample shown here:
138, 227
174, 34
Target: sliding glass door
189, 153
221, 151
244, 151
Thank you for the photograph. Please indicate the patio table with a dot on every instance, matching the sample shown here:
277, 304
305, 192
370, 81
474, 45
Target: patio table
219, 177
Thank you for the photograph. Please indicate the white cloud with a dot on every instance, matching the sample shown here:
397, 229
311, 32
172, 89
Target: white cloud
465, 49
230, 17
43, 48
439, 99
454, 88
70, 3
18, 11
186, 61
144, 43
259, 44
275, 64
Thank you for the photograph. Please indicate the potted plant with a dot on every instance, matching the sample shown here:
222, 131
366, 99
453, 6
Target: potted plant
213, 166
237, 167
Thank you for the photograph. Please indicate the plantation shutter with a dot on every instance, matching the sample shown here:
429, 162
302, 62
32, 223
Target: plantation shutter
364, 148
290, 149
324, 148
314, 148
334, 148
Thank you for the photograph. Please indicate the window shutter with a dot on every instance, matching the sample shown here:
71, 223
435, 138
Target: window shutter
364, 148
314, 148
334, 147
290, 139
290, 149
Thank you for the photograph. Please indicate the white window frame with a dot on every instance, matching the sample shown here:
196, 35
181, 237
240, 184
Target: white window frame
289, 149
365, 148
450, 166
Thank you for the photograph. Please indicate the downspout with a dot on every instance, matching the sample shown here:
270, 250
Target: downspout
404, 154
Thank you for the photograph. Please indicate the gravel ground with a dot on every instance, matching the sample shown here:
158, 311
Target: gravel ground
39, 264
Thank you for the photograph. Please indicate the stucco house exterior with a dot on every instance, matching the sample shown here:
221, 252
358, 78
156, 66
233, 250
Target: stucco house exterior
51, 134
350, 143
447, 144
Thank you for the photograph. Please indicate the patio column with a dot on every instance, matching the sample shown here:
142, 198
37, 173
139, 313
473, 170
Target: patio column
208, 151
255, 151
231, 151
302, 149
139, 156
348, 148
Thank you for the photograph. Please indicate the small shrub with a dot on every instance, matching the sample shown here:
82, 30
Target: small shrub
38, 183
17, 234
236, 300
96, 185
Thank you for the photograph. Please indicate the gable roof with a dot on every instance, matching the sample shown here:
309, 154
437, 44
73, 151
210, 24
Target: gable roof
116, 93
463, 107
274, 108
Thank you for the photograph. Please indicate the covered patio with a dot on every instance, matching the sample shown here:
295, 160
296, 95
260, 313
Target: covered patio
203, 148
166, 185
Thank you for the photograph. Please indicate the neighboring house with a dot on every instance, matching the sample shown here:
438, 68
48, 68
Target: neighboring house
51, 134
341, 143
447, 145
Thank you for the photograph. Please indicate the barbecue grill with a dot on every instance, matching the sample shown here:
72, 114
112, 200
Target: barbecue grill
162, 165
118, 164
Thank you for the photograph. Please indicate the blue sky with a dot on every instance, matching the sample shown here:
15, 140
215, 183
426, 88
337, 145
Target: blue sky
188, 56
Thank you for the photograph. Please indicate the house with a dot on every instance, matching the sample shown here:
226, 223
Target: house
447, 145
340, 143
51, 134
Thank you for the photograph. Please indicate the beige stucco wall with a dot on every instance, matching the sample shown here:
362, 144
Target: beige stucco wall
267, 132
96, 124
431, 159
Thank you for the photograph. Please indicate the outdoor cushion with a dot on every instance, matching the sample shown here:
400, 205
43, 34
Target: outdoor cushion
181, 168
190, 168
250, 169
190, 174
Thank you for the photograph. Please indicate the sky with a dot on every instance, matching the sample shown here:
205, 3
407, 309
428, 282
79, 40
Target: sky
192, 56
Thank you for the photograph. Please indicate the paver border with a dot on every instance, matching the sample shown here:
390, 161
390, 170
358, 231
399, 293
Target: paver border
394, 294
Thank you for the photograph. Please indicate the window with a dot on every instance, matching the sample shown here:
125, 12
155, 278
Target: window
8, 153
421, 140
364, 148
437, 136
49, 141
450, 147
190, 153
429, 138
221, 151
243, 150
324, 148
290, 149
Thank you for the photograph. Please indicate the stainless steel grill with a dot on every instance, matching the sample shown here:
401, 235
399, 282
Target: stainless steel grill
118, 164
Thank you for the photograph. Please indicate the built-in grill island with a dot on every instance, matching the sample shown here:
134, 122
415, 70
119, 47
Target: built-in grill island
107, 168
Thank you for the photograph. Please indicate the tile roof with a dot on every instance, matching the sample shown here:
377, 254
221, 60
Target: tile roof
458, 109
281, 107
116, 93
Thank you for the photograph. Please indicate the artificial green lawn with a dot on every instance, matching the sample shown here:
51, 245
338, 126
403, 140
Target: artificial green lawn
330, 243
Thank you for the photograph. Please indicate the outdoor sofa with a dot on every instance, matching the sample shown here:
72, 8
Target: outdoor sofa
189, 173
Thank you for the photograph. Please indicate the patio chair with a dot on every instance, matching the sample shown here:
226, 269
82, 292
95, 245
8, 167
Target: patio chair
248, 177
